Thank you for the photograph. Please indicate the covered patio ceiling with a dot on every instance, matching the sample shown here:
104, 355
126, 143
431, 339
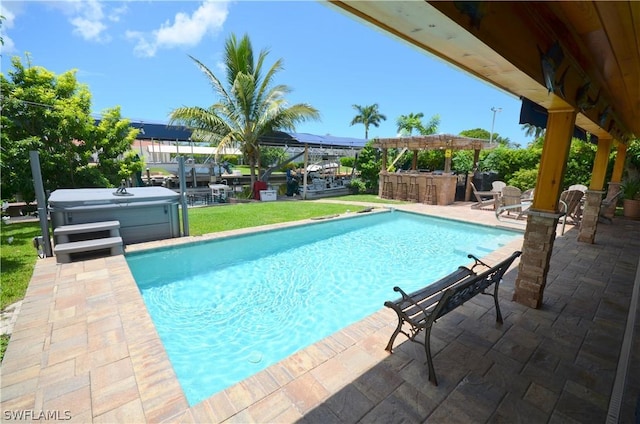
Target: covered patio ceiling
575, 55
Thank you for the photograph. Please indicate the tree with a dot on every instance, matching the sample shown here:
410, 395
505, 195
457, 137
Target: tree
51, 114
249, 104
368, 165
368, 115
407, 123
531, 130
431, 127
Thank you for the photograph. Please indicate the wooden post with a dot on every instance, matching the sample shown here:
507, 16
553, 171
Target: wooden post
618, 166
543, 216
553, 162
600, 163
591, 212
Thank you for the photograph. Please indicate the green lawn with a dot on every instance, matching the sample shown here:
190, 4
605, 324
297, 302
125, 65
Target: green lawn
370, 198
17, 258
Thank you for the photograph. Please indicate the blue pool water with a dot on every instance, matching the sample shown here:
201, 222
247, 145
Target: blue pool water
226, 309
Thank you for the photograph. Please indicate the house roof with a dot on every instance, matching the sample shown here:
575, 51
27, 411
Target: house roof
161, 132
280, 138
166, 132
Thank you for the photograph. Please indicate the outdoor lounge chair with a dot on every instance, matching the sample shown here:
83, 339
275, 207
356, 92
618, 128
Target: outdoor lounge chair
583, 188
511, 196
570, 206
527, 195
498, 185
484, 199
607, 208
572, 201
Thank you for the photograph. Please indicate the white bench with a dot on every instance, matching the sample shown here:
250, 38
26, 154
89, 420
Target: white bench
63, 232
63, 251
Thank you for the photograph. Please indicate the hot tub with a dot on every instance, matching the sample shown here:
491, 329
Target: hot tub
145, 213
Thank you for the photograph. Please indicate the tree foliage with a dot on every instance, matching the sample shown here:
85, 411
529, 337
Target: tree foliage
368, 165
249, 103
50, 114
407, 123
368, 115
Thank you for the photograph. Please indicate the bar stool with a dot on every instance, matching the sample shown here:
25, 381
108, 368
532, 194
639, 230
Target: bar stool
387, 187
414, 189
401, 190
430, 193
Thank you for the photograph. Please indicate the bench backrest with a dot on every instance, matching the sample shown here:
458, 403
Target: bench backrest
415, 303
460, 293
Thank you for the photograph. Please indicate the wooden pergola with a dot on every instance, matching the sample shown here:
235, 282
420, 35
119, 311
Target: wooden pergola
443, 184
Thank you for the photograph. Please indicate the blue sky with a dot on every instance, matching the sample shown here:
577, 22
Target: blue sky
135, 54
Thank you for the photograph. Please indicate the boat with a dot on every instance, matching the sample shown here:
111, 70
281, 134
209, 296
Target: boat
207, 168
324, 181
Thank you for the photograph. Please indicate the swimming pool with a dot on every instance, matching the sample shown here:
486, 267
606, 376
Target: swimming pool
228, 308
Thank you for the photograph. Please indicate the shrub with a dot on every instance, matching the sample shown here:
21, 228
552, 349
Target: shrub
357, 186
524, 179
347, 161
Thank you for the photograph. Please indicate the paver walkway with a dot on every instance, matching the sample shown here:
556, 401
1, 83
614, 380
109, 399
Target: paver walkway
84, 348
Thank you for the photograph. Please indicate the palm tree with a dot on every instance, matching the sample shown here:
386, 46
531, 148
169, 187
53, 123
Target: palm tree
408, 123
532, 130
249, 104
368, 115
431, 127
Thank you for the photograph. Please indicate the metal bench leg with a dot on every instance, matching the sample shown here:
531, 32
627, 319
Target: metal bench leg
427, 349
495, 300
389, 347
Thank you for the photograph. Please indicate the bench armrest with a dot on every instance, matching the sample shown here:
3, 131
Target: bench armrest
409, 299
477, 262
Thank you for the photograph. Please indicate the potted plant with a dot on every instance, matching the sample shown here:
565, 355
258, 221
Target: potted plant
631, 198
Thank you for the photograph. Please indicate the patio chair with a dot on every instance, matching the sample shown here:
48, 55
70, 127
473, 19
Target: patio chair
511, 201
527, 195
498, 186
484, 199
607, 208
571, 201
583, 188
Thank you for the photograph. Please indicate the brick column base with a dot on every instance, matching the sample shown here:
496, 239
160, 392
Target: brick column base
590, 214
536, 254
614, 189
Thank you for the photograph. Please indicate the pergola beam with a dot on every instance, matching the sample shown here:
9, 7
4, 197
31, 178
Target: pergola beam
434, 142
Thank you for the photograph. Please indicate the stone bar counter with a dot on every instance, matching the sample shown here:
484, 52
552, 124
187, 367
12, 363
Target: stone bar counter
419, 187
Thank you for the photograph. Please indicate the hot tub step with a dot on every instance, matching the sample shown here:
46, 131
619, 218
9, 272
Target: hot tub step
63, 232
63, 251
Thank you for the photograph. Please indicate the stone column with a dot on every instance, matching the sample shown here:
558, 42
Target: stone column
543, 216
590, 214
537, 247
609, 210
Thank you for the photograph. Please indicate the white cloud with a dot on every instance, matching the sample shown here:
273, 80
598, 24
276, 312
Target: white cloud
89, 17
8, 45
185, 30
